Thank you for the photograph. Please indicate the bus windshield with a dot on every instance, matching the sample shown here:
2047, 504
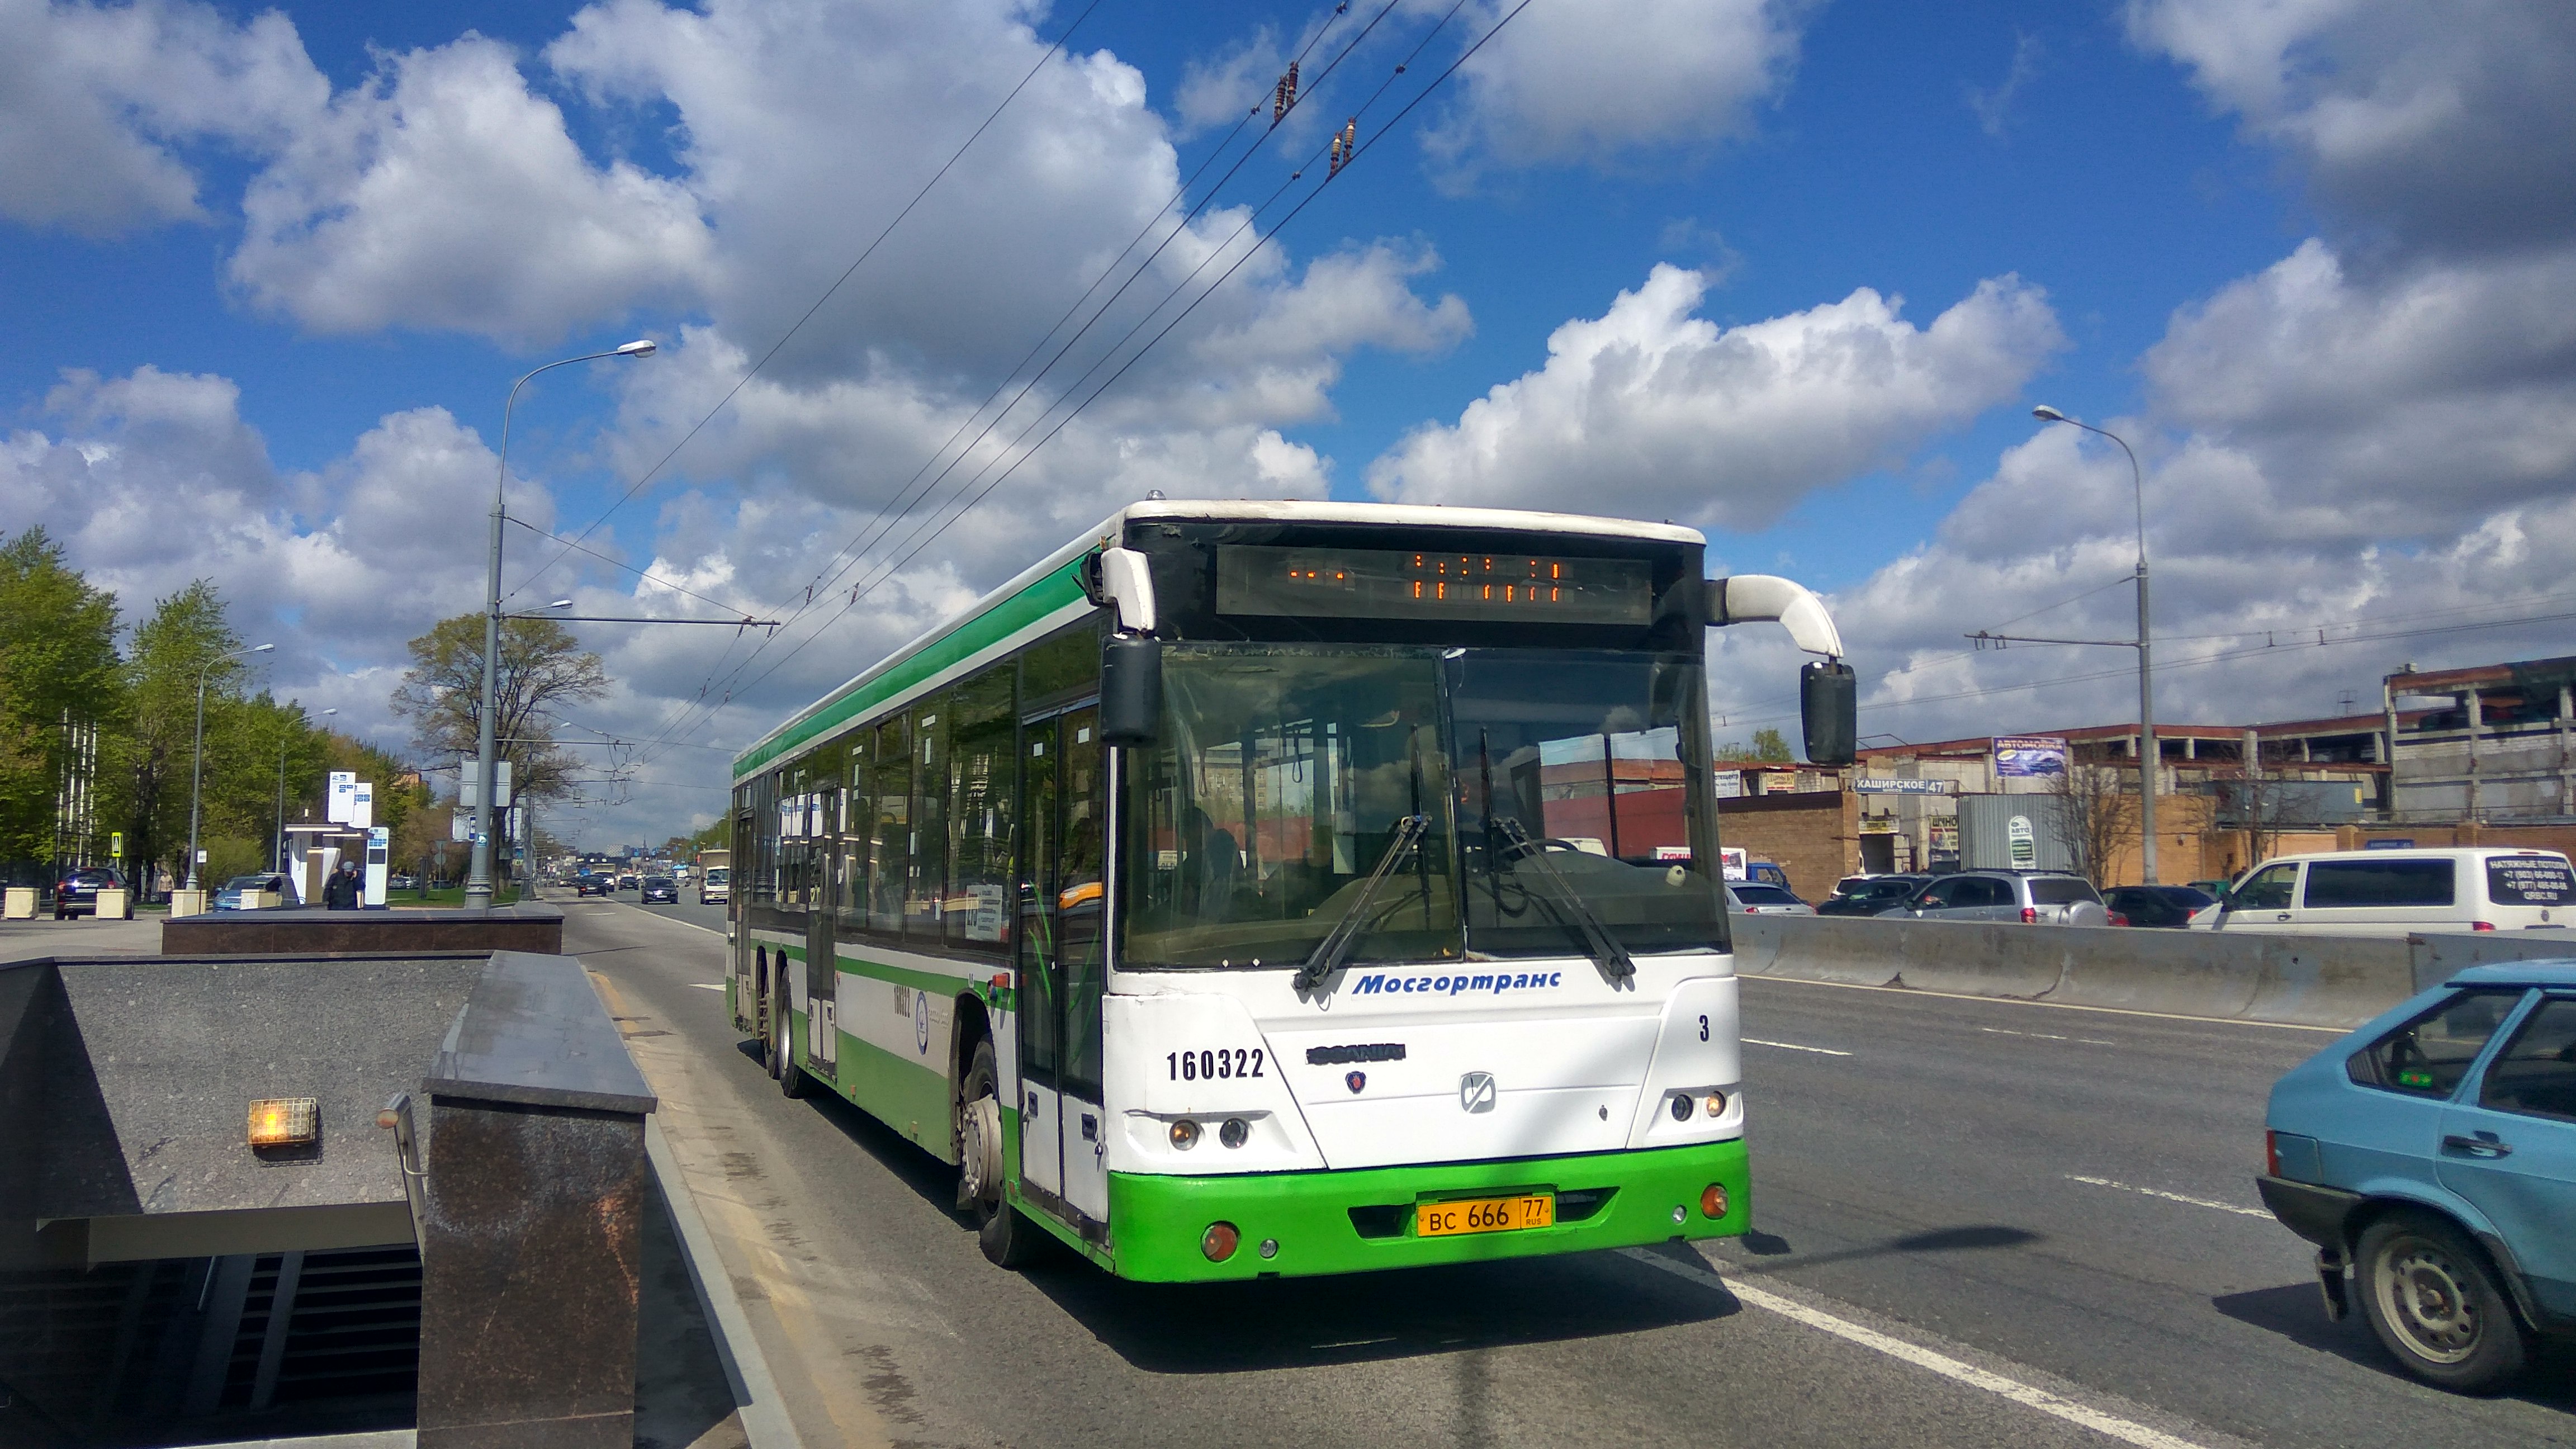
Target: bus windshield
1558, 803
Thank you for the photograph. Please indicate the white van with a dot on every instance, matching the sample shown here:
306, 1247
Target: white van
2394, 892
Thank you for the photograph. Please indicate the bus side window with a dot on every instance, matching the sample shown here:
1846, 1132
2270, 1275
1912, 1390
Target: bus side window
1081, 916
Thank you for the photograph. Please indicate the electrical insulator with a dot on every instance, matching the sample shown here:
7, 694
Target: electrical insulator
1285, 95
1344, 145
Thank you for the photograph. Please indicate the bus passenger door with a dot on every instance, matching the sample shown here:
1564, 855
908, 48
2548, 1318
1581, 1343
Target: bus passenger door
1082, 922
822, 967
1041, 1024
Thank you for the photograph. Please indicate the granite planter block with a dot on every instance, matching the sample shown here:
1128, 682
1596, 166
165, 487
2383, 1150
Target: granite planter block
312, 931
531, 1248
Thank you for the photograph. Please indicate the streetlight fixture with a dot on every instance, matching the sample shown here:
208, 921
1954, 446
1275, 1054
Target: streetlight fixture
478, 880
2150, 757
197, 767
279, 864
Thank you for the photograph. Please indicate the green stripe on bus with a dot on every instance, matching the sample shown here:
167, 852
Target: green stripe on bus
937, 983
1158, 1220
969, 638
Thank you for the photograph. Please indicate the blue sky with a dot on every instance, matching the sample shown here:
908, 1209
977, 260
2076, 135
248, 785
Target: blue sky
271, 272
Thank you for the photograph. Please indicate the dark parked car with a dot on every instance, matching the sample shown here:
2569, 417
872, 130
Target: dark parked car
1869, 895
76, 894
2170, 906
661, 888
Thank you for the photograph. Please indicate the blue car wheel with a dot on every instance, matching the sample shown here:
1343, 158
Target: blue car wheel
2435, 1304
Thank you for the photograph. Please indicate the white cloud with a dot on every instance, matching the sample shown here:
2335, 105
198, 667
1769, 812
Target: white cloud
2446, 126
1650, 411
1589, 80
95, 100
1217, 90
442, 194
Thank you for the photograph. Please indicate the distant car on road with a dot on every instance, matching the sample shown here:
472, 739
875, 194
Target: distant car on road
2032, 897
230, 897
403, 881
661, 888
76, 894
715, 887
1867, 895
2157, 905
592, 885
1764, 900
628, 880
2431, 1157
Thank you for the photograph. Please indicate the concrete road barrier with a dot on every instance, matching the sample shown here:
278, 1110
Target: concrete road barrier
2335, 981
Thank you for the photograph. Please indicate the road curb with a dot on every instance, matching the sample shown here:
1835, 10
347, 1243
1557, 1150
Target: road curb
762, 1410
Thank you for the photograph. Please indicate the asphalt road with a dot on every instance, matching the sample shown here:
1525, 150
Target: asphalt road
1981, 1223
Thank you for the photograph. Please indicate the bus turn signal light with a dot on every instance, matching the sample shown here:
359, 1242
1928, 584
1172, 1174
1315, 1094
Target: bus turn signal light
1219, 1241
284, 1121
1716, 1104
1712, 1200
1185, 1134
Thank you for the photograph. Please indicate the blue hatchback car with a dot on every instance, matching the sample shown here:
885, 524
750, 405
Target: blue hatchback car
2431, 1157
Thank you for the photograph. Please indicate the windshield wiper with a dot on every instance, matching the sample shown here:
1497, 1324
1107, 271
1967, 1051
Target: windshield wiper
1561, 902
1337, 943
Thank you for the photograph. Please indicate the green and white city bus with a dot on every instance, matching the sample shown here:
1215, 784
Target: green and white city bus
1282, 888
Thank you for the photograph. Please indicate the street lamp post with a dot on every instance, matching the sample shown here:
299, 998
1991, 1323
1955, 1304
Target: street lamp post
478, 880
197, 767
2150, 757
280, 858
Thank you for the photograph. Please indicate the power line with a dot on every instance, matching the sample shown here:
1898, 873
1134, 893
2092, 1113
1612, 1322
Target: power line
808, 316
1349, 154
826, 581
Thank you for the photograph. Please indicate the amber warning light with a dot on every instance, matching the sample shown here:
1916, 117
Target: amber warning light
284, 1121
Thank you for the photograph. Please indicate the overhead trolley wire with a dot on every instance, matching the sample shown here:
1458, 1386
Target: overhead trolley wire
825, 586
828, 292
798, 602
1349, 151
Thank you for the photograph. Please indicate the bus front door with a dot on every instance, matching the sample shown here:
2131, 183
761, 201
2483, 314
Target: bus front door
822, 966
1063, 1131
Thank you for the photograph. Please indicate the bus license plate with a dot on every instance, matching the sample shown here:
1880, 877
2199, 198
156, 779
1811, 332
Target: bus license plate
1484, 1215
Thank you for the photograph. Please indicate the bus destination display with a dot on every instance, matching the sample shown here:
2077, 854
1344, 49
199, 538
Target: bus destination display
1358, 583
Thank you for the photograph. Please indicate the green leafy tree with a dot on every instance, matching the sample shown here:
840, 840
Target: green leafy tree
1771, 745
186, 634
543, 669
59, 679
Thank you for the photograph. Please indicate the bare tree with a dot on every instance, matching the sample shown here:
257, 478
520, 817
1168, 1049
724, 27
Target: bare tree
542, 669
2095, 816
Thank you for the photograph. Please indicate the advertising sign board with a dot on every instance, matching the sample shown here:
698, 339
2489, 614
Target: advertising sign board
344, 786
2029, 757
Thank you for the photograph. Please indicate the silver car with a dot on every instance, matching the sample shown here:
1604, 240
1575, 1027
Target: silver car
1753, 898
2032, 897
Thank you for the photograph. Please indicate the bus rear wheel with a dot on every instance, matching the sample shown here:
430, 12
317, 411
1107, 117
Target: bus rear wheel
782, 1055
1005, 1234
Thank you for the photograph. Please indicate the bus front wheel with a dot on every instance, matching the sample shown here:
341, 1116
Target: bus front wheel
1005, 1234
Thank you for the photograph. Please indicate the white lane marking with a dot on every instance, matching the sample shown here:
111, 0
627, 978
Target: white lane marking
2127, 1431
2049, 1036
708, 985
2051, 1005
2225, 1207
1790, 1046
674, 920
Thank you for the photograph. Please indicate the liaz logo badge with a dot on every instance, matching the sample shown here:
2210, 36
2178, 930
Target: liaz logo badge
1476, 1092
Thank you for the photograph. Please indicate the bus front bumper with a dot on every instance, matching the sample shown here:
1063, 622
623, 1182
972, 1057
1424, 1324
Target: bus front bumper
1364, 1219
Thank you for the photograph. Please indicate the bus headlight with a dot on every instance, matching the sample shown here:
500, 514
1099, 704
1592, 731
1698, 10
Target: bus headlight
1235, 1132
1185, 1134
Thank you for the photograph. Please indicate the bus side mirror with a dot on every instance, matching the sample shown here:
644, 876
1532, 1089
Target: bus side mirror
1131, 690
1829, 704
